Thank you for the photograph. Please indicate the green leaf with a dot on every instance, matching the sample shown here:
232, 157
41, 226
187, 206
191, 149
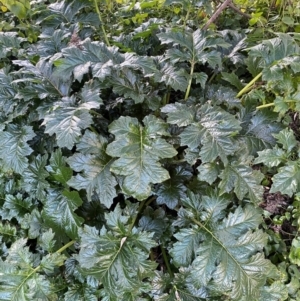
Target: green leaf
14, 147
171, 76
271, 157
213, 131
201, 78
277, 291
294, 255
58, 169
119, 262
287, 180
9, 41
172, 190
34, 177
154, 221
184, 250
90, 55
139, 150
230, 252
93, 167
287, 139
243, 181
208, 172
46, 241
196, 47
16, 207
179, 114
258, 130
130, 86
80, 292
138, 62
33, 222
19, 278
67, 118
18, 8
273, 50
59, 212
233, 79
8, 233
176, 288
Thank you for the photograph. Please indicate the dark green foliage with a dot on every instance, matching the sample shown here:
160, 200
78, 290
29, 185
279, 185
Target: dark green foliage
132, 168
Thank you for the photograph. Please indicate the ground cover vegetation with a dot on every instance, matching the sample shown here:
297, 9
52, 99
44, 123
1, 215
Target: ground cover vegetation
149, 150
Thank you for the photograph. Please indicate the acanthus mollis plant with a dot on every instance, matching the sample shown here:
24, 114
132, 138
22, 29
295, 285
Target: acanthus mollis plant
129, 176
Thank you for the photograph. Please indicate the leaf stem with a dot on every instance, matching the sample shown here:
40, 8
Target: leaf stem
150, 201
135, 217
141, 206
66, 246
96, 113
166, 260
102, 26
187, 93
40, 266
186, 17
166, 97
249, 85
265, 106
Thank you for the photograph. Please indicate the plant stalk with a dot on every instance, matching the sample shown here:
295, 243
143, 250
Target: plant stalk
187, 93
265, 106
39, 266
186, 17
66, 246
135, 218
166, 260
102, 26
249, 85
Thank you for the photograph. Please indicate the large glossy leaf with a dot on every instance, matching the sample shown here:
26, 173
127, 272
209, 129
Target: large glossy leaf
14, 148
67, 118
119, 259
9, 42
271, 157
226, 252
172, 190
194, 47
129, 85
93, 167
59, 212
214, 132
244, 181
139, 149
16, 206
34, 177
180, 114
20, 280
58, 168
79, 60
287, 180
8, 91
258, 130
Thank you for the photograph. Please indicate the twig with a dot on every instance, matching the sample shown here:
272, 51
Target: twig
101, 22
216, 14
231, 5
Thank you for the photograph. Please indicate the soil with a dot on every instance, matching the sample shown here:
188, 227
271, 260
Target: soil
295, 125
275, 203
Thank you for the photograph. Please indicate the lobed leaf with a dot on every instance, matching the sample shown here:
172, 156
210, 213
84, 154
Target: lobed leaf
93, 167
14, 148
139, 149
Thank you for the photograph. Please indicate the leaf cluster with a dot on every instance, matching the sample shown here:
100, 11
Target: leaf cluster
130, 167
